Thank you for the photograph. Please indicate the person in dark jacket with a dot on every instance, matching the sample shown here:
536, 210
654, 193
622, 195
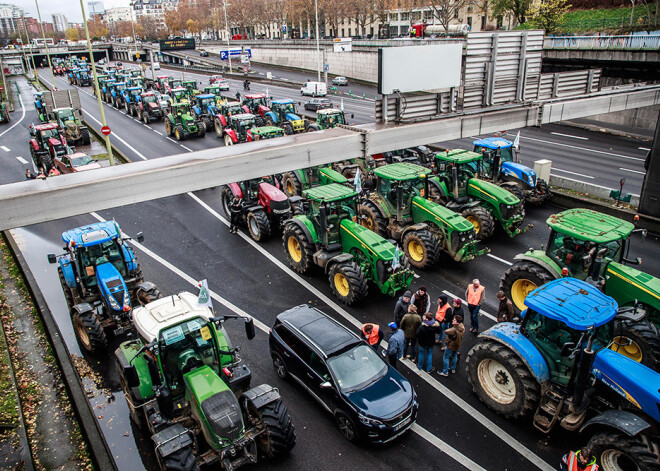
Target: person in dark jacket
505, 309
454, 341
421, 300
409, 325
395, 344
401, 307
235, 210
426, 333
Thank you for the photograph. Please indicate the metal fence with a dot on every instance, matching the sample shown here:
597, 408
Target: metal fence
632, 41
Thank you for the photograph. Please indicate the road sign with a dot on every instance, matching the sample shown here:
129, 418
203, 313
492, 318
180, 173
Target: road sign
246, 69
343, 44
326, 67
105, 130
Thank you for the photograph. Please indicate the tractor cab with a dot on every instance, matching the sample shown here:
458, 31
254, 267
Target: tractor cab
328, 206
119, 87
456, 168
134, 73
182, 110
134, 92
44, 132
242, 123
64, 115
179, 95
148, 97
231, 108
500, 161
204, 101
213, 90
161, 80
257, 103
330, 117
284, 107
399, 184
136, 82
108, 83
191, 87
174, 83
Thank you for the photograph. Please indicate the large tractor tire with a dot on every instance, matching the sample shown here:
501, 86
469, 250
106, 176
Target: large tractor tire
180, 460
65, 289
89, 331
169, 127
482, 220
258, 225
145, 117
208, 123
501, 380
517, 192
288, 129
127, 109
5, 115
147, 292
541, 194
219, 129
228, 140
638, 340
370, 217
421, 248
348, 282
259, 121
312, 127
47, 160
226, 196
521, 279
291, 184
280, 436
616, 451
201, 129
179, 133
84, 133
298, 249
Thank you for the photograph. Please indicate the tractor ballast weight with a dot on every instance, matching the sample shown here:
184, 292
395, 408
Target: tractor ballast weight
296, 181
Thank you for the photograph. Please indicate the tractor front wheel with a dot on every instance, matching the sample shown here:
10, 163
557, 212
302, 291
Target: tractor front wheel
298, 249
638, 340
291, 184
147, 292
201, 129
616, 451
279, 437
259, 121
421, 248
521, 279
482, 220
179, 133
145, 117
501, 380
180, 460
288, 129
84, 133
169, 127
228, 140
348, 282
227, 195
136, 412
89, 331
258, 225
370, 217
219, 128
127, 109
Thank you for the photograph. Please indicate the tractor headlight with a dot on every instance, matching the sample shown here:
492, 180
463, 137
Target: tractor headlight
530, 180
113, 303
127, 299
368, 420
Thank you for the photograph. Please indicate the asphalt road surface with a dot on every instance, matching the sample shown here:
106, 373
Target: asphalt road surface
187, 239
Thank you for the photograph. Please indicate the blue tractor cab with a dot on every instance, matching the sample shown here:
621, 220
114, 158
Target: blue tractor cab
558, 367
283, 114
131, 97
101, 280
500, 165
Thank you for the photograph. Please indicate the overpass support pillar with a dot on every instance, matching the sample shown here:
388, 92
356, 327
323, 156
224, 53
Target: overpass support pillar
649, 199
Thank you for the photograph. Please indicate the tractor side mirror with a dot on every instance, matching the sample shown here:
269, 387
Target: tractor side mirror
140, 237
52, 258
567, 348
249, 328
131, 375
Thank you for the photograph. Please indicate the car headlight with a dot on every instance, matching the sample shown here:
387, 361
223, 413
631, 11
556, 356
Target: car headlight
368, 420
113, 303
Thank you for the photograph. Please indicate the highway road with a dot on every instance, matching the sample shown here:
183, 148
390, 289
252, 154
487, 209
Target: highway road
187, 239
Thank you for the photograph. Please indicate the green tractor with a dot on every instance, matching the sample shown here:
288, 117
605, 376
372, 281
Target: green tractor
296, 181
191, 87
589, 245
327, 118
327, 234
4, 112
181, 123
457, 187
399, 209
179, 95
186, 387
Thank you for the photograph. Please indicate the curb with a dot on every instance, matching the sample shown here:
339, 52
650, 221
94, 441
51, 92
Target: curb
99, 450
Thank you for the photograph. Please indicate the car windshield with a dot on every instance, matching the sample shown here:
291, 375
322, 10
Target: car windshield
82, 160
357, 368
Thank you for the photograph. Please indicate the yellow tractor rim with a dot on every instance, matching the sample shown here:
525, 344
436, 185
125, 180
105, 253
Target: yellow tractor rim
290, 188
341, 284
627, 347
519, 291
176, 132
294, 249
416, 251
475, 223
368, 223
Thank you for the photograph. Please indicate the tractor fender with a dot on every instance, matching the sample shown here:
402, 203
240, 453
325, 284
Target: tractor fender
341, 258
246, 109
254, 208
232, 134
67, 271
129, 257
174, 438
223, 120
82, 308
414, 227
125, 358
623, 421
197, 110
35, 144
260, 395
235, 188
508, 334
538, 261
303, 227
146, 286
272, 116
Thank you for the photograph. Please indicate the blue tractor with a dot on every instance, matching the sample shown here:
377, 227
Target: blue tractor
283, 114
501, 166
131, 97
101, 280
558, 367
116, 94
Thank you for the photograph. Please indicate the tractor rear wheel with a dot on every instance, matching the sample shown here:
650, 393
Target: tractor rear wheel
348, 282
147, 292
370, 217
298, 249
226, 196
312, 127
47, 161
219, 128
288, 129
521, 279
126, 108
482, 220
258, 225
145, 117
67, 291
169, 127
421, 248
269, 121
291, 184
89, 331
228, 141
280, 436
616, 451
84, 133
501, 380
180, 460
5, 115
179, 133
638, 340
259, 121
208, 123
201, 129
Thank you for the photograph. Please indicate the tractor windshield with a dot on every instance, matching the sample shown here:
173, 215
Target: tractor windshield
234, 110
575, 254
333, 119
176, 83
206, 102
259, 101
136, 92
149, 98
48, 133
66, 115
93, 255
120, 88
289, 108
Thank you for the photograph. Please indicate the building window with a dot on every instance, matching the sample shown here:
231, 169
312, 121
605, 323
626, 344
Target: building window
416, 15
469, 22
456, 14
500, 21
394, 31
342, 33
428, 15
405, 16
483, 23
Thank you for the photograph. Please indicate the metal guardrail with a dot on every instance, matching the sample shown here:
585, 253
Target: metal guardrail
632, 41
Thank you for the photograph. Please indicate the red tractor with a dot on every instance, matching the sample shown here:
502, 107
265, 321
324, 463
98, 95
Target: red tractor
263, 205
46, 143
148, 107
257, 103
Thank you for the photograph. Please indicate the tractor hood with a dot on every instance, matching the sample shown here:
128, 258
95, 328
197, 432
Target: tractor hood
267, 132
520, 172
271, 193
263, 109
292, 117
112, 287
490, 192
54, 142
627, 285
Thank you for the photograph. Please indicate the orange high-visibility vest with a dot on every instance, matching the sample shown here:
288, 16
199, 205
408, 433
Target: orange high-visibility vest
442, 312
574, 466
372, 338
474, 296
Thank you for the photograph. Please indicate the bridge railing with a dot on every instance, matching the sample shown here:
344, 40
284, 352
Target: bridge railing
650, 41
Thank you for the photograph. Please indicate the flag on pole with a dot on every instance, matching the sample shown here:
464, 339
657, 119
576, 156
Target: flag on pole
396, 263
204, 298
357, 182
516, 141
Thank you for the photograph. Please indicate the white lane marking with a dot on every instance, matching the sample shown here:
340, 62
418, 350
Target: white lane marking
481, 311
506, 262
20, 102
21, 160
5, 148
187, 148
568, 135
643, 148
157, 132
632, 171
169, 138
419, 430
583, 148
497, 431
115, 136
573, 173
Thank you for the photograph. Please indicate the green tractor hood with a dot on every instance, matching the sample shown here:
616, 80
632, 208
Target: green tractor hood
267, 132
627, 284
375, 255
504, 206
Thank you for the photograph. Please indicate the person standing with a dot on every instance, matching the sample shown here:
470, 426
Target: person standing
235, 210
475, 296
505, 309
409, 325
444, 316
372, 334
395, 344
454, 341
421, 300
29, 175
426, 333
401, 307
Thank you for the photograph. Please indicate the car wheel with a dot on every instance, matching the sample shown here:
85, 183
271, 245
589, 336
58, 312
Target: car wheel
347, 427
280, 367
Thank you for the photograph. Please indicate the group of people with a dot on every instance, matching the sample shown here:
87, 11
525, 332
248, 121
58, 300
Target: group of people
29, 175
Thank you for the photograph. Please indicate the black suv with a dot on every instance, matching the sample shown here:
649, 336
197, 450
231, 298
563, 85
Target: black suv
370, 400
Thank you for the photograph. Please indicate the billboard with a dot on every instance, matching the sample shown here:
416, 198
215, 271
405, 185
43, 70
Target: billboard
173, 44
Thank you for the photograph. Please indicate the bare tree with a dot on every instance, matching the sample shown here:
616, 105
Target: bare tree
446, 10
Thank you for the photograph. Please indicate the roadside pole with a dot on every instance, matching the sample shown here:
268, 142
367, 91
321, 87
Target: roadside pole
27, 36
43, 33
227, 29
325, 61
318, 52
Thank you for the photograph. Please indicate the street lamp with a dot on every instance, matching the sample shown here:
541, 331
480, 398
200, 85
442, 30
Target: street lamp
133, 29
318, 52
43, 33
227, 30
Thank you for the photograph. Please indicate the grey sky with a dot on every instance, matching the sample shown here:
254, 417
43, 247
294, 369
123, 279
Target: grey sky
70, 8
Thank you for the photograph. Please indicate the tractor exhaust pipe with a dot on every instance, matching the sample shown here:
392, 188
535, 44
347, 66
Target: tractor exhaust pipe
584, 370
454, 177
399, 203
494, 169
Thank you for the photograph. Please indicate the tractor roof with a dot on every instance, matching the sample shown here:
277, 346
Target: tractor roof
62, 108
458, 156
121, 83
585, 224
254, 96
401, 171
149, 93
232, 103
93, 234
163, 77
162, 313
180, 89
328, 111
574, 302
190, 81
207, 95
134, 88
493, 142
46, 127
328, 193
285, 101
242, 116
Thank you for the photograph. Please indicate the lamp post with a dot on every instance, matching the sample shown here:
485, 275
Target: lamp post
227, 30
133, 29
27, 38
43, 33
318, 51
108, 146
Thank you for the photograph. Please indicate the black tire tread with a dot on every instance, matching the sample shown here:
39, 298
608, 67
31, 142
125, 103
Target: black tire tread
97, 338
429, 242
181, 460
636, 448
356, 279
306, 261
262, 222
487, 222
646, 335
523, 269
281, 432
297, 184
371, 210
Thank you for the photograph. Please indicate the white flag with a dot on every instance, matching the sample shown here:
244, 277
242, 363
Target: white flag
516, 141
204, 298
357, 182
395, 261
